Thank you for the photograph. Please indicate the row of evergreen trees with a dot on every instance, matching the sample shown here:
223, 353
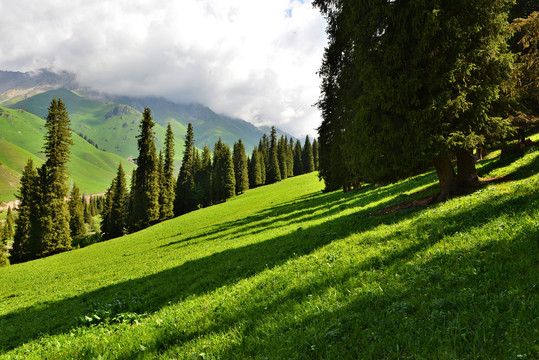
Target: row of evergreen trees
47, 223
155, 195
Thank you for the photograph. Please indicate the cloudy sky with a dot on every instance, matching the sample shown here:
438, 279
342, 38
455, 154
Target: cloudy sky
254, 59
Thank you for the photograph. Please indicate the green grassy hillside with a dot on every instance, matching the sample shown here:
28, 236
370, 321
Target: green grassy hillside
288, 272
113, 127
22, 138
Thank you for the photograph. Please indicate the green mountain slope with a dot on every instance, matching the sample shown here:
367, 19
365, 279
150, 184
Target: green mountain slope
21, 138
113, 127
288, 272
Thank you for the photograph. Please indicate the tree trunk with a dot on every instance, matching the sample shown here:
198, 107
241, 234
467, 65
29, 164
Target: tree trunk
446, 177
466, 172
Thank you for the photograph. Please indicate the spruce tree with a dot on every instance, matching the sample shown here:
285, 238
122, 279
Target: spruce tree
23, 249
185, 185
223, 178
315, 154
273, 172
307, 156
282, 157
204, 176
389, 116
298, 159
76, 211
118, 212
145, 207
289, 144
106, 214
240, 167
255, 169
8, 231
169, 184
53, 225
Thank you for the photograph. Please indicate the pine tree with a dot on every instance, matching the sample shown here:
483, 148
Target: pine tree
273, 172
76, 211
106, 214
169, 185
255, 169
307, 156
315, 154
185, 185
8, 231
240, 167
145, 207
395, 118
282, 157
298, 159
204, 176
23, 249
223, 177
53, 225
118, 212
289, 144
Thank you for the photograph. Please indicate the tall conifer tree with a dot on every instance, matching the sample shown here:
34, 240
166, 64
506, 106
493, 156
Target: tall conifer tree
315, 154
106, 214
118, 211
145, 206
169, 184
255, 169
282, 157
298, 159
27, 209
240, 167
8, 231
185, 185
307, 156
273, 172
53, 225
76, 211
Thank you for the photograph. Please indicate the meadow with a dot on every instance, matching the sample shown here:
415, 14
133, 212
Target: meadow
22, 139
288, 272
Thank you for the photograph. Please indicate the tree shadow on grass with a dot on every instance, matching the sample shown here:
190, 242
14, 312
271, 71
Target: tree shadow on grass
151, 293
437, 297
311, 207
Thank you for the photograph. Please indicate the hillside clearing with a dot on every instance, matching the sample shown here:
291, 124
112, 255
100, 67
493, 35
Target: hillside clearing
288, 272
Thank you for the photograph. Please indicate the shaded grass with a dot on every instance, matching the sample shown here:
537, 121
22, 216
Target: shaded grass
286, 271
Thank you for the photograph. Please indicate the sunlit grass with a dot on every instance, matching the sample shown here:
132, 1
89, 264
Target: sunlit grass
288, 272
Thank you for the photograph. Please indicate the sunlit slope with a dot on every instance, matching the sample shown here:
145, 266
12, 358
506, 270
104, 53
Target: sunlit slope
22, 137
113, 127
288, 272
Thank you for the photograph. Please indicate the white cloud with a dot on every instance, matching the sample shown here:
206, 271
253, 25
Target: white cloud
255, 59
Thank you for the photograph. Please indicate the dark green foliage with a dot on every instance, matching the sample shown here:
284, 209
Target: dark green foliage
106, 215
118, 212
145, 190
289, 145
223, 177
282, 157
87, 212
298, 159
53, 234
76, 212
185, 186
23, 248
203, 178
273, 172
392, 115
3, 257
168, 193
307, 156
255, 169
8, 230
315, 154
240, 167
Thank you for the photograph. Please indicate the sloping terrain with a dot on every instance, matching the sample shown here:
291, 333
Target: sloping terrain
21, 138
288, 272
